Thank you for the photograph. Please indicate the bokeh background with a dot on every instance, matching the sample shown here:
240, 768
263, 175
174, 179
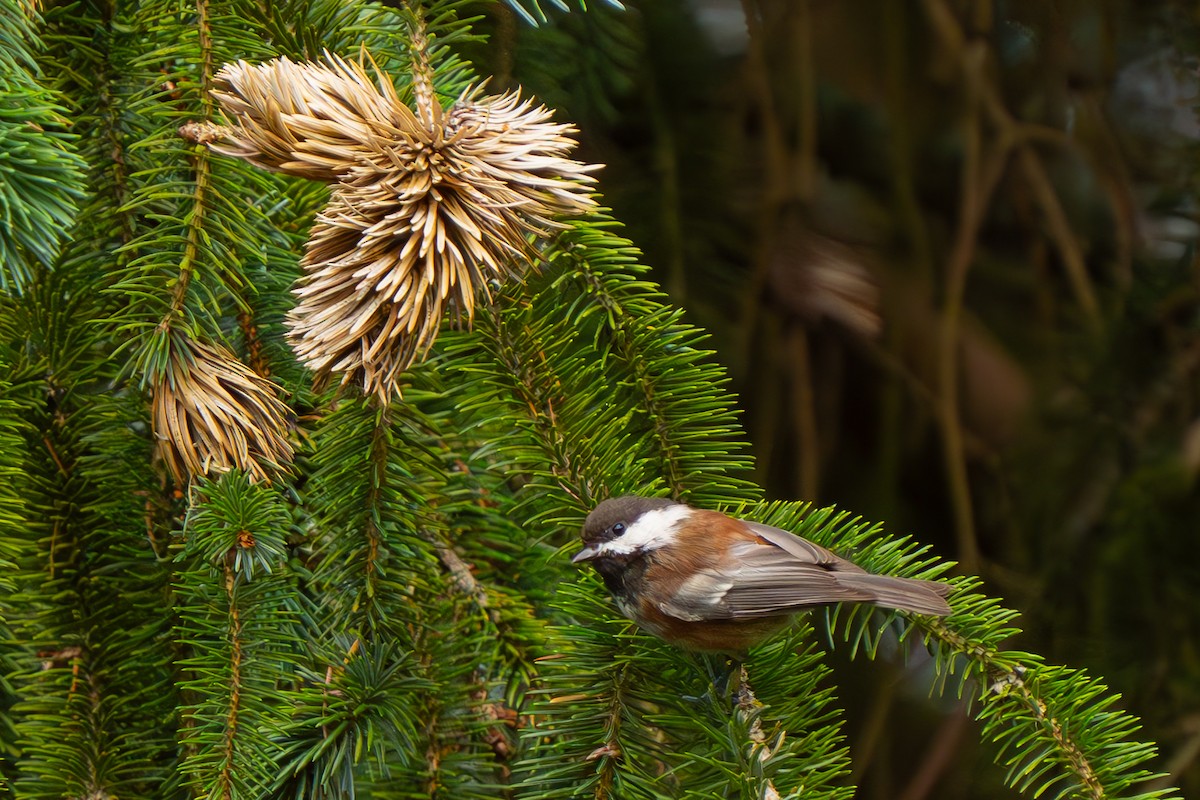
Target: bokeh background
947, 249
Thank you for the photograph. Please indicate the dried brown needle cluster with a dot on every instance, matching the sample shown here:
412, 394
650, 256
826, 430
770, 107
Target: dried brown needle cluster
427, 205
212, 413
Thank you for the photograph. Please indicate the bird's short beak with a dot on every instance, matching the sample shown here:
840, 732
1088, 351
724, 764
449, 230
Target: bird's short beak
586, 554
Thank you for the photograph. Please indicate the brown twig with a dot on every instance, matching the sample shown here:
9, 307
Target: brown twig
805, 410
1060, 231
747, 709
938, 755
801, 23
203, 169
873, 731
1184, 756
979, 181
789, 174
225, 783
776, 168
1022, 134
666, 164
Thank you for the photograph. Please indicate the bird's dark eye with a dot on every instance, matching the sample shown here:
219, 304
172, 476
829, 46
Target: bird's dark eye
618, 529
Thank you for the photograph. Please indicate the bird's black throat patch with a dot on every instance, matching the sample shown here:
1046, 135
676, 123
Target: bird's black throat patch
622, 574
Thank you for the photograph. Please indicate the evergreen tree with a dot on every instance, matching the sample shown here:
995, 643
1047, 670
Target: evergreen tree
366, 591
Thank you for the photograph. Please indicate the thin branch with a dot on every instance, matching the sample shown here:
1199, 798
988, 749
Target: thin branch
532, 382
225, 782
203, 168
748, 710
804, 407
1060, 232
1022, 134
976, 193
776, 167
380, 441
673, 470
1006, 681
666, 163
1185, 756
610, 751
938, 755
801, 19
1114, 174
760, 82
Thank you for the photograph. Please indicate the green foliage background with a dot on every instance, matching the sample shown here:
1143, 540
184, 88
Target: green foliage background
399, 619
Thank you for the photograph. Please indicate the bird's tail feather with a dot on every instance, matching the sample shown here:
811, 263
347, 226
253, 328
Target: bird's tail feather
902, 594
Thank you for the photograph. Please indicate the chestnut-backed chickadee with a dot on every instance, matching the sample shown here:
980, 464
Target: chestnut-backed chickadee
706, 581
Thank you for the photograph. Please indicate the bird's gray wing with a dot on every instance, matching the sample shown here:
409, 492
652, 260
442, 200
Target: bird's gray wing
904, 594
764, 580
802, 549
778, 573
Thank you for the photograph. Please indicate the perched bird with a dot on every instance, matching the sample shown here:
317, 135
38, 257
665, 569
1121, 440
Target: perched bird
706, 581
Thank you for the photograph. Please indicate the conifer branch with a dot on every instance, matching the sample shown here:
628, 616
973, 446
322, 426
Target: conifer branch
120, 169
535, 385
1051, 725
378, 484
369, 474
40, 174
236, 622
611, 751
624, 338
1009, 695
225, 784
749, 709
201, 169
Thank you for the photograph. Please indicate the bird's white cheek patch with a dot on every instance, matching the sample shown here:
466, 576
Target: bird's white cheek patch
652, 530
